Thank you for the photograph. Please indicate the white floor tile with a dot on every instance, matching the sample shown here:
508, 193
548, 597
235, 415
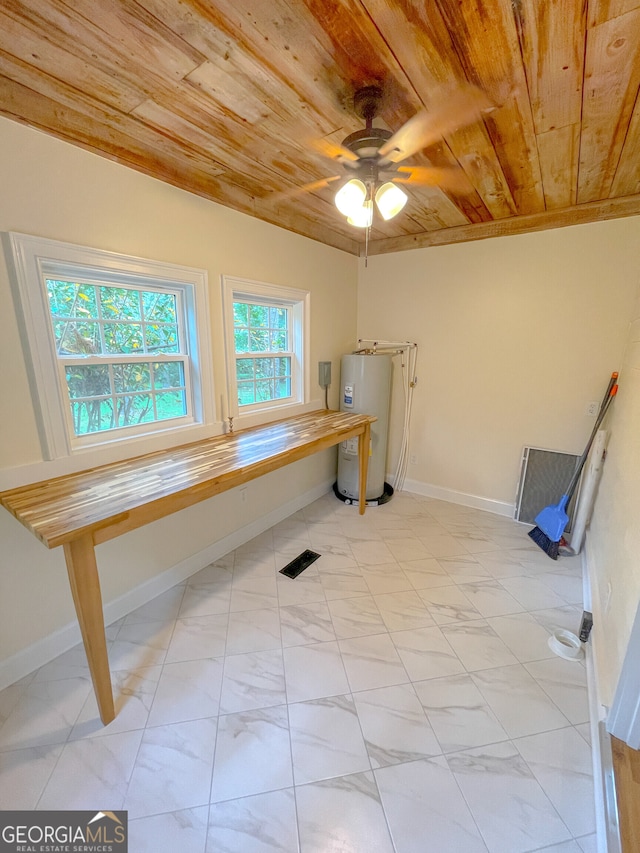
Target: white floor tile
460, 715
532, 593
326, 739
426, 810
24, 774
206, 598
253, 680
45, 713
465, 569
565, 682
197, 637
343, 814
517, 700
187, 690
426, 653
314, 671
395, 726
162, 607
343, 582
263, 823
425, 574
477, 645
448, 604
403, 611
133, 696
90, 771
523, 635
253, 631
490, 598
386, 577
356, 617
172, 769
184, 830
253, 754
509, 806
301, 590
372, 662
302, 624
140, 644
561, 762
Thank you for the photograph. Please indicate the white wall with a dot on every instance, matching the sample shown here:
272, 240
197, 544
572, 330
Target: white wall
613, 543
52, 189
516, 336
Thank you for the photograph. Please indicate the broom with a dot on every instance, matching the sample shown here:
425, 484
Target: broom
552, 520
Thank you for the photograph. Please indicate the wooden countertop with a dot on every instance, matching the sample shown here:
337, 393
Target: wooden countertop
109, 500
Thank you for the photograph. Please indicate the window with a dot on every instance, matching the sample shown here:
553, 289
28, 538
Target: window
121, 353
266, 340
264, 355
114, 343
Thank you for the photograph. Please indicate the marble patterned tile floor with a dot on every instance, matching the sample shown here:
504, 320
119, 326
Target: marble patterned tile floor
399, 695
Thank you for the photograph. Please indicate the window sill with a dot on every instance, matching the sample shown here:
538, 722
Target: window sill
269, 415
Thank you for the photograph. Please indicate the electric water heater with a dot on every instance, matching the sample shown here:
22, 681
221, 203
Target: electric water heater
365, 386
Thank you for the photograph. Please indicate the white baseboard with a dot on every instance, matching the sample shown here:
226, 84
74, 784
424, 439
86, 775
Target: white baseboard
462, 498
606, 811
27, 660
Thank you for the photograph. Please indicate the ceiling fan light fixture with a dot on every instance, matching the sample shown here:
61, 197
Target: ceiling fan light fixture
390, 200
350, 198
362, 217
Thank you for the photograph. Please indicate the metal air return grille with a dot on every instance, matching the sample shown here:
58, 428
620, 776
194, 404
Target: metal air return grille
544, 476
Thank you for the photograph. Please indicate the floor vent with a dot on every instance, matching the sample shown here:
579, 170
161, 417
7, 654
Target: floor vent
544, 476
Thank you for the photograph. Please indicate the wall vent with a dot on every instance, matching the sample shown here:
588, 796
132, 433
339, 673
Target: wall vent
544, 477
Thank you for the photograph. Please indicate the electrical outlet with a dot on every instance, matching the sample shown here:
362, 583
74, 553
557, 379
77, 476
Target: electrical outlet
243, 495
593, 409
413, 459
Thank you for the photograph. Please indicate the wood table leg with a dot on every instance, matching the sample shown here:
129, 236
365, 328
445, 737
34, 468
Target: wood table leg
85, 588
364, 443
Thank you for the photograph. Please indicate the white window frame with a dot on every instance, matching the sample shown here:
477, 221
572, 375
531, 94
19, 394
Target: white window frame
299, 304
34, 260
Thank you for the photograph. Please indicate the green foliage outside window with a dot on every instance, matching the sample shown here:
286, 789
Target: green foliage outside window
261, 329
97, 322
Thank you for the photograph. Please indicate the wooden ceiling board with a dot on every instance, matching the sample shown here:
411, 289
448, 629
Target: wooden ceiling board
42, 46
604, 10
559, 150
552, 38
486, 36
418, 34
56, 108
612, 79
627, 179
239, 101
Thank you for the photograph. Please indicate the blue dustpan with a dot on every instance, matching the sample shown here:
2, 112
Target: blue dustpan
553, 519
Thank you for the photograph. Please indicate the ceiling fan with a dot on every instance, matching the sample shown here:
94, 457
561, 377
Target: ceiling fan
371, 156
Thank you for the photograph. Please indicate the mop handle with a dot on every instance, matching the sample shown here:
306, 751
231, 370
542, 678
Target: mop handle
603, 411
612, 382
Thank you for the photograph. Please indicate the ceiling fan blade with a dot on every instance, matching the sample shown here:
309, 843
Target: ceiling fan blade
335, 151
462, 107
453, 179
306, 188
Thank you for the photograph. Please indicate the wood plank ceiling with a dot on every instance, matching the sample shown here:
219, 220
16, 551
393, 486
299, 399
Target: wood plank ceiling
239, 100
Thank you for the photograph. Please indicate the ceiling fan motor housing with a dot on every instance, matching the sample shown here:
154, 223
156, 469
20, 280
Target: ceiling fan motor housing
367, 142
